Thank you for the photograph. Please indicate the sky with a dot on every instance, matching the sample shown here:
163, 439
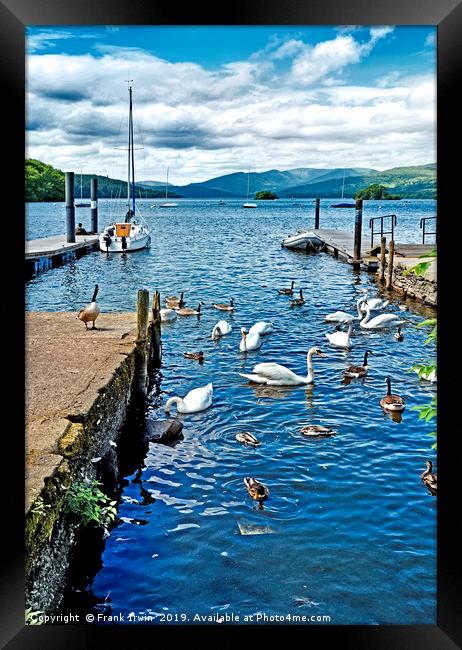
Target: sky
209, 101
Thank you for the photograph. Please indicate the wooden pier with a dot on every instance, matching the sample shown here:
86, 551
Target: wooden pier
48, 252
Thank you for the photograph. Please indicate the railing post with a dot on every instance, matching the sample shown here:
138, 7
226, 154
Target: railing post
70, 208
358, 230
316, 214
383, 248
391, 255
94, 205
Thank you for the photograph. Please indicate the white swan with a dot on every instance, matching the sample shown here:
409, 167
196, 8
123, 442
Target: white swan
379, 322
343, 317
375, 304
220, 329
196, 400
273, 374
167, 315
262, 328
249, 341
341, 339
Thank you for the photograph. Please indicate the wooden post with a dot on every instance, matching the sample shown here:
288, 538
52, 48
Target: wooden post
142, 316
391, 254
383, 248
155, 334
358, 231
94, 205
316, 214
70, 207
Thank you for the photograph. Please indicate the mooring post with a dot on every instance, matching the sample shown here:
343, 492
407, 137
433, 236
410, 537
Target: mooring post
316, 214
70, 209
383, 249
156, 340
142, 317
391, 255
358, 230
94, 205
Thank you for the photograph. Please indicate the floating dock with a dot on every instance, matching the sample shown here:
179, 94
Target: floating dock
48, 252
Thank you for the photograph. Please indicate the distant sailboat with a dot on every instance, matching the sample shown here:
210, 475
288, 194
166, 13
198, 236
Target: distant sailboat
168, 204
247, 204
343, 205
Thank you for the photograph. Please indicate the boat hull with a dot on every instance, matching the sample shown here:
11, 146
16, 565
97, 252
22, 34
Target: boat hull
303, 241
136, 242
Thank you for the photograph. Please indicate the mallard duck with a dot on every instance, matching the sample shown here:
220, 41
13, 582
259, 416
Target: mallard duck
398, 336
222, 306
197, 356
287, 292
173, 302
317, 431
392, 402
295, 302
247, 438
429, 479
167, 315
256, 490
187, 311
249, 341
90, 314
358, 371
196, 400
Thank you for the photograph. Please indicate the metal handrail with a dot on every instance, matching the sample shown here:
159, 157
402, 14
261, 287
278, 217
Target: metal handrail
423, 224
393, 222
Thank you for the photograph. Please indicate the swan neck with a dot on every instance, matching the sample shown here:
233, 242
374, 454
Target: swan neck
367, 316
358, 308
174, 400
309, 365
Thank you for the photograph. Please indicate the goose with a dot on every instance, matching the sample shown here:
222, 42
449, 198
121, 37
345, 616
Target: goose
343, 317
247, 438
358, 371
379, 322
173, 302
398, 336
249, 341
375, 304
287, 292
197, 356
196, 400
222, 306
295, 302
256, 490
188, 311
90, 314
167, 314
317, 431
430, 480
261, 328
273, 374
392, 402
341, 339
220, 329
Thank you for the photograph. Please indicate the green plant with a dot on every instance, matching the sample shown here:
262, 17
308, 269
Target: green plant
90, 504
422, 267
32, 617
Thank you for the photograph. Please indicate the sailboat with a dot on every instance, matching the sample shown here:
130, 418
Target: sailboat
167, 204
247, 204
131, 234
343, 205
81, 203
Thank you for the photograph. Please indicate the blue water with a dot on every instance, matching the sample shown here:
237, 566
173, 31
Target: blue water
352, 528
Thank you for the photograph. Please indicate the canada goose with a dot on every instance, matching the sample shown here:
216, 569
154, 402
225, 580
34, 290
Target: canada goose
256, 490
249, 342
221, 329
341, 339
295, 302
398, 336
167, 315
187, 311
90, 314
173, 302
358, 371
287, 292
222, 306
197, 356
317, 431
273, 374
392, 402
261, 328
248, 438
379, 322
430, 480
196, 400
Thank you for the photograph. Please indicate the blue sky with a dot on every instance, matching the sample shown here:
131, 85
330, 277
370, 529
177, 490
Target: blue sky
211, 100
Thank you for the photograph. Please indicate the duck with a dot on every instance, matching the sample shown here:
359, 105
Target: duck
287, 292
398, 336
196, 400
256, 490
295, 302
341, 339
343, 317
90, 314
197, 356
221, 329
392, 402
262, 328
375, 304
188, 311
430, 480
173, 302
222, 306
358, 371
247, 438
167, 315
249, 342
317, 431
379, 322
273, 374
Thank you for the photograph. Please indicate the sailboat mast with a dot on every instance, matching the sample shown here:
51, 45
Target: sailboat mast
166, 185
248, 183
133, 151
343, 183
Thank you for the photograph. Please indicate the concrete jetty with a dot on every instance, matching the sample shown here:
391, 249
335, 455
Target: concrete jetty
48, 252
